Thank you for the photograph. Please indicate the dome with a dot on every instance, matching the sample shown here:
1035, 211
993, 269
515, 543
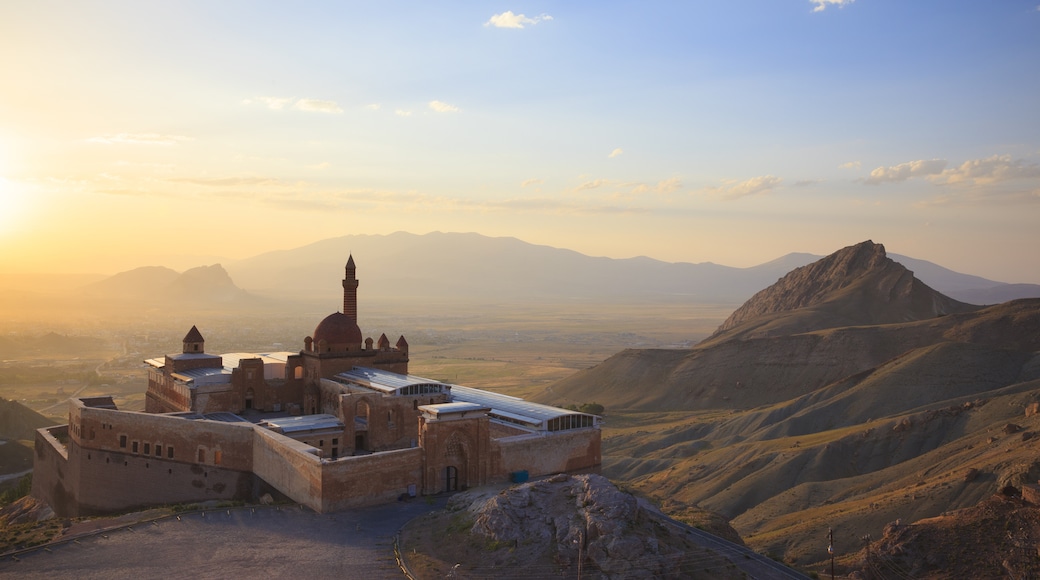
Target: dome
338, 329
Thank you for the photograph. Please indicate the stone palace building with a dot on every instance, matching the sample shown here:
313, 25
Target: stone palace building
338, 424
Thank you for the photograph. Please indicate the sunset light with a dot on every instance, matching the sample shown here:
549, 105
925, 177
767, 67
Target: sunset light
685, 132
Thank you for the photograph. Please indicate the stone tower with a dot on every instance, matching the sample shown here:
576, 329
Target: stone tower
350, 284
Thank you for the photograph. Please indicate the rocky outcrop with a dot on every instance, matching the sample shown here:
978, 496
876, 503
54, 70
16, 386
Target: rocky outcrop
581, 519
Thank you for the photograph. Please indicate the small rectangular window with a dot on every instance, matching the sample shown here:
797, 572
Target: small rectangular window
122, 441
202, 456
169, 451
134, 448
216, 458
147, 448
158, 450
335, 441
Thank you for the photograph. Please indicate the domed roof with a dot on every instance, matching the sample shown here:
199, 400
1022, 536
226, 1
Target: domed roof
338, 328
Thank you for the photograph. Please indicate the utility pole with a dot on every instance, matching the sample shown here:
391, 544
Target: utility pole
830, 548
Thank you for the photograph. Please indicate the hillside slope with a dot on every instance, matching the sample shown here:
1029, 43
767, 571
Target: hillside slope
848, 395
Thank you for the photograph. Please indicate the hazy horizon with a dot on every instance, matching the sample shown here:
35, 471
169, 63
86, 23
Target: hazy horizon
187, 134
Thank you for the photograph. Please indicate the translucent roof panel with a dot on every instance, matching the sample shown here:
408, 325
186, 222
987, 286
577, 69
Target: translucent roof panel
512, 407
387, 381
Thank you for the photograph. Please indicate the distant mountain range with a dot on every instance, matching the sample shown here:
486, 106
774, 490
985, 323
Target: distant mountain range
466, 269
472, 267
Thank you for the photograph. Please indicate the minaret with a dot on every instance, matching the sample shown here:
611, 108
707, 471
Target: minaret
350, 284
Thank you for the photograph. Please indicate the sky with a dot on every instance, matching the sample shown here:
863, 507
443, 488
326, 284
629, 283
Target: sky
182, 133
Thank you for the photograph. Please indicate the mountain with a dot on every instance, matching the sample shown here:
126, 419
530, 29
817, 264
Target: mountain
469, 267
20, 422
847, 395
856, 286
203, 285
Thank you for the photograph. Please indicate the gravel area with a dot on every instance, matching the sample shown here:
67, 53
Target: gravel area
261, 542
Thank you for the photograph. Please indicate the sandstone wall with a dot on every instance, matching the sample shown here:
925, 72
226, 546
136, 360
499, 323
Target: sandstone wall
556, 452
289, 466
371, 479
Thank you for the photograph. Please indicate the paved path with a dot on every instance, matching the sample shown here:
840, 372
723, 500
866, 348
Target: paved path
283, 542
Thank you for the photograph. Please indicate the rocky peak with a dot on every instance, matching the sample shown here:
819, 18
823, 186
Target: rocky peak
856, 285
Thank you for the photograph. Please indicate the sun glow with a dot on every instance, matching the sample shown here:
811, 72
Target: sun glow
12, 206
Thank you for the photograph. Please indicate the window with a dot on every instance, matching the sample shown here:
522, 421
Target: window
202, 455
335, 441
134, 448
321, 443
147, 448
158, 450
122, 441
169, 451
216, 457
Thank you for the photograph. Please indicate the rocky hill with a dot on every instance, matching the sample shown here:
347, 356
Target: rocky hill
997, 538
559, 527
848, 395
20, 422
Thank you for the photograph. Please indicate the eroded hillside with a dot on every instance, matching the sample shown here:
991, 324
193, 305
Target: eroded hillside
849, 395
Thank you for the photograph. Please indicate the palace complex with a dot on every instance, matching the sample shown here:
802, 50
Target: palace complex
338, 424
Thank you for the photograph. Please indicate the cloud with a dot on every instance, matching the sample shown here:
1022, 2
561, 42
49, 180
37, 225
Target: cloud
226, 181
904, 171
509, 20
275, 103
373, 107
403, 113
754, 186
594, 184
821, 5
139, 139
664, 187
987, 171
308, 105
528, 182
442, 107
615, 153
851, 165
317, 106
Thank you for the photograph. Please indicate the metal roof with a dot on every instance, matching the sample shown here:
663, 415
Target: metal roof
204, 376
512, 409
232, 359
304, 423
446, 408
386, 381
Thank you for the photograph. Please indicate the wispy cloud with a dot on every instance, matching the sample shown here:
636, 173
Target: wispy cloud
274, 103
226, 181
754, 186
851, 165
139, 139
615, 153
403, 113
593, 184
821, 5
317, 106
509, 20
373, 107
442, 107
307, 105
904, 171
529, 182
663, 187
987, 171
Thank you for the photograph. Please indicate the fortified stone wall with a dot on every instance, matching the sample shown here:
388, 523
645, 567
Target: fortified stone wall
52, 481
545, 454
366, 480
289, 466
